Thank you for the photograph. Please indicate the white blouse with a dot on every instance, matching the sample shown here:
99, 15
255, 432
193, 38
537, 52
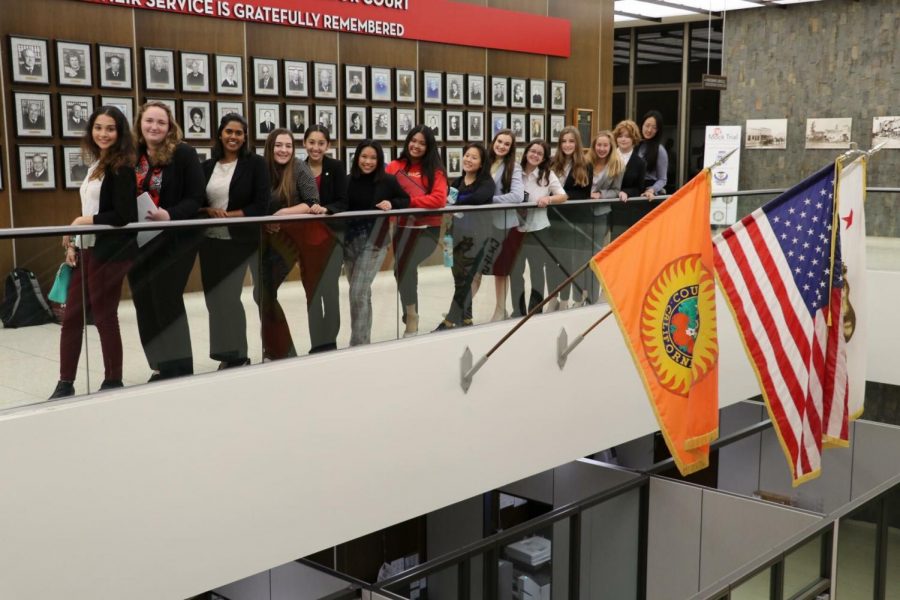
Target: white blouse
536, 218
217, 193
90, 204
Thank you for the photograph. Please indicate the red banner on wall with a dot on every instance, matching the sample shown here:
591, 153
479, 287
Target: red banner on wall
441, 21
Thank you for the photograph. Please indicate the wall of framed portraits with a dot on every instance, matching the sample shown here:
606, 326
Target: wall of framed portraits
55, 72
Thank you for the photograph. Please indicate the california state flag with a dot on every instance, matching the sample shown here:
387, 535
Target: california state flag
851, 204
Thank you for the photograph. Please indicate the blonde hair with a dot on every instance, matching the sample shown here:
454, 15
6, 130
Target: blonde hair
629, 127
614, 164
164, 153
579, 162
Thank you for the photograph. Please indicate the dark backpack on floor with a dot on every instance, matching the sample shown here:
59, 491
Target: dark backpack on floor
23, 301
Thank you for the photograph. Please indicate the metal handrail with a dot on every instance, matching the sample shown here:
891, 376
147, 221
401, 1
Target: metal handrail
52, 230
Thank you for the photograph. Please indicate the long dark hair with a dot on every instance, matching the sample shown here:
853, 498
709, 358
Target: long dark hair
218, 151
651, 145
120, 154
543, 169
281, 176
509, 161
356, 172
431, 162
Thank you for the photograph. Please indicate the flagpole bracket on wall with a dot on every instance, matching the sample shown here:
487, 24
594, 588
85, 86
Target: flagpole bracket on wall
564, 348
467, 370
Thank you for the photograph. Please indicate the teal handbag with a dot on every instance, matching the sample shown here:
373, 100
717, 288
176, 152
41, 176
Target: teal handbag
60, 290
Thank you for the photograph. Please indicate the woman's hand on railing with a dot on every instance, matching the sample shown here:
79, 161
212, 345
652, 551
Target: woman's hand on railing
648, 193
215, 213
384, 205
623, 196
160, 214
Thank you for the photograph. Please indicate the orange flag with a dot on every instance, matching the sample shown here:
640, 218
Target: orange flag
658, 278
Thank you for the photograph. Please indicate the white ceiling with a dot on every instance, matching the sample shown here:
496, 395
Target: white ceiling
694, 9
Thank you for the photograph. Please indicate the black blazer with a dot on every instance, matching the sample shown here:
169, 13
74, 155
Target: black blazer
183, 187
579, 192
249, 191
118, 206
333, 189
635, 173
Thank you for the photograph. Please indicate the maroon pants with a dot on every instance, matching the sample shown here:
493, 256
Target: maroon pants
102, 290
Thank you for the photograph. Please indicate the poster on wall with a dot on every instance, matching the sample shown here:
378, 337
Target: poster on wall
886, 130
766, 134
828, 133
719, 141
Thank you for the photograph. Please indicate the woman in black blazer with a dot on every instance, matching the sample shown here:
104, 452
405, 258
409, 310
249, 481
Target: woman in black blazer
237, 185
168, 170
318, 246
98, 266
626, 214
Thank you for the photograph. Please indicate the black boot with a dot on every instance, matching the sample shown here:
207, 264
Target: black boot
63, 389
111, 384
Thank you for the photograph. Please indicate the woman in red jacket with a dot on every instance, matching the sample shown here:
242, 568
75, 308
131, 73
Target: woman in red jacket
420, 172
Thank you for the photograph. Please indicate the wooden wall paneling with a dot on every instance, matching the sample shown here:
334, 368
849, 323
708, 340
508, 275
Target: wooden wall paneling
588, 70
71, 21
517, 64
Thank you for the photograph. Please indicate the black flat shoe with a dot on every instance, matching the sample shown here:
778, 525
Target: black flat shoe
230, 364
111, 384
445, 325
64, 389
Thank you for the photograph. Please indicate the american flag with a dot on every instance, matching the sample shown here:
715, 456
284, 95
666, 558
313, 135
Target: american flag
775, 267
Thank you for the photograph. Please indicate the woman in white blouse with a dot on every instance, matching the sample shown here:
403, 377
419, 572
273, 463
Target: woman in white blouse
237, 185
542, 187
100, 263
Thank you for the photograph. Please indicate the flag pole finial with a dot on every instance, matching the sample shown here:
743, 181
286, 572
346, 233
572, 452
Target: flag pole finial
721, 160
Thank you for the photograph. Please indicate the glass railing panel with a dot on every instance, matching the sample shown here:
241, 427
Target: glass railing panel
755, 588
803, 566
892, 560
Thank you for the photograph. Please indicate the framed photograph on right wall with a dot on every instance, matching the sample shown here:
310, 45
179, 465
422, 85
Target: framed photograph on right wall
325, 75
159, 69
73, 64
265, 76
32, 115
36, 170
229, 74
28, 60
557, 95
406, 85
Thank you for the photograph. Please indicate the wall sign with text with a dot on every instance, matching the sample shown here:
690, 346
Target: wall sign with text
443, 21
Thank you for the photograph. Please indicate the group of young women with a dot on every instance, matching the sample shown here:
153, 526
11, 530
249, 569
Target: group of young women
154, 169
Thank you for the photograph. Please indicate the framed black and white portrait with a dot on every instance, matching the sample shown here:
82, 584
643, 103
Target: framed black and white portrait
499, 121
557, 95
194, 72
382, 123
535, 126
455, 126
434, 119
475, 90
265, 76
557, 124
123, 103
204, 153
406, 120
327, 117
268, 118
380, 78
518, 123
195, 122
32, 115
296, 76
170, 102
74, 112
349, 157
114, 66
454, 161
406, 85
356, 122
325, 80
297, 119
354, 82
498, 92
230, 107
28, 58
73, 64
36, 168
229, 74
475, 126
159, 69
455, 89
75, 164
388, 154
518, 93
432, 87
537, 93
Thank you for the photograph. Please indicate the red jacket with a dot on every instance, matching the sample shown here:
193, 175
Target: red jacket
415, 184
